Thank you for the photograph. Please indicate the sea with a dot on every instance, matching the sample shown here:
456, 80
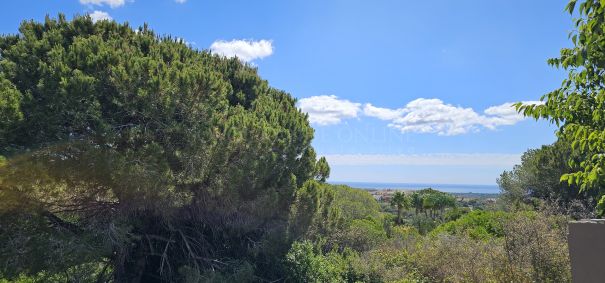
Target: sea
448, 188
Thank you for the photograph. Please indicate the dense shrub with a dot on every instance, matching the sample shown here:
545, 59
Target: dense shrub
536, 248
362, 234
476, 224
456, 213
308, 264
497, 247
424, 224
451, 258
338, 216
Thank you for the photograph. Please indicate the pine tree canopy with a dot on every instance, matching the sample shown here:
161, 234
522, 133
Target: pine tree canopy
134, 151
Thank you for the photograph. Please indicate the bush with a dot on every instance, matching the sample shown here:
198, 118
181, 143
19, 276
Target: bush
497, 247
455, 213
384, 264
476, 224
362, 235
453, 258
83, 273
307, 264
536, 248
337, 216
423, 223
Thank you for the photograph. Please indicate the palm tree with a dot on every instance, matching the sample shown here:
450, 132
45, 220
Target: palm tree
428, 204
417, 201
443, 201
400, 201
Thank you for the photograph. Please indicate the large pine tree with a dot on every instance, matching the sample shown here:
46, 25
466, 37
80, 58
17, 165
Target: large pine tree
141, 157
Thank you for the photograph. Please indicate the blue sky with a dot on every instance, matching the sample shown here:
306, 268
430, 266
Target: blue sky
398, 91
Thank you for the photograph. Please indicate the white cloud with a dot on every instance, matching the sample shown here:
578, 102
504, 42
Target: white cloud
382, 113
328, 109
439, 159
421, 115
434, 116
110, 3
245, 50
506, 114
180, 1
99, 16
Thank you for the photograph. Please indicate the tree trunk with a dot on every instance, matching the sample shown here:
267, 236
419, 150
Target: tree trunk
399, 215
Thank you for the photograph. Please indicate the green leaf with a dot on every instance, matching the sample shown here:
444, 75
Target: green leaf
570, 6
579, 59
564, 178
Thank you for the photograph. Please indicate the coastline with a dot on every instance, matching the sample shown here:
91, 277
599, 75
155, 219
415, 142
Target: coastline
448, 188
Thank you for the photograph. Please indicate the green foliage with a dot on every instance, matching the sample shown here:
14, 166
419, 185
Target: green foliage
10, 109
447, 258
521, 247
479, 246
313, 213
401, 201
306, 264
356, 203
339, 216
476, 224
456, 213
538, 177
83, 273
322, 170
384, 264
133, 149
577, 105
424, 224
362, 234
536, 248
432, 201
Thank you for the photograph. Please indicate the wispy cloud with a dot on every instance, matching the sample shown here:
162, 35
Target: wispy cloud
429, 116
245, 50
110, 3
434, 116
99, 16
328, 109
506, 114
440, 159
421, 115
180, 1
382, 113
